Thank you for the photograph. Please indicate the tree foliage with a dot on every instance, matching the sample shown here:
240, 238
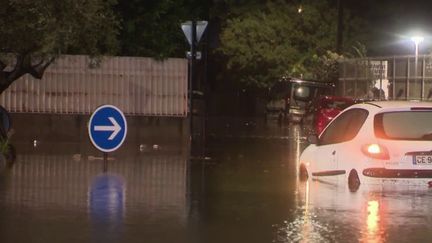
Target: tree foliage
275, 40
152, 28
34, 32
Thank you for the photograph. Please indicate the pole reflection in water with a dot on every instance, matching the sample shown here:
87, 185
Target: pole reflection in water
307, 227
296, 146
106, 204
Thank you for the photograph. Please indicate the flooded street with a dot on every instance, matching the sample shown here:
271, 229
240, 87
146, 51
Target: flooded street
245, 189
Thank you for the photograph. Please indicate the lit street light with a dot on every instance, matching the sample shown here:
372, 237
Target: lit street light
417, 40
300, 9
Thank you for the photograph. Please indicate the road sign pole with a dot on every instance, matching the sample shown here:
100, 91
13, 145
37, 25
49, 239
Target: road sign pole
192, 75
105, 162
193, 31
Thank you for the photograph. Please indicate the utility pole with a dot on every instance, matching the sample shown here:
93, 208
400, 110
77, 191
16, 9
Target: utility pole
192, 74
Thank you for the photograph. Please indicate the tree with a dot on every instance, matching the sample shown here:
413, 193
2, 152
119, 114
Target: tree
326, 66
275, 40
152, 28
35, 32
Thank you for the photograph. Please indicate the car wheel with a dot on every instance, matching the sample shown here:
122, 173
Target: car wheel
303, 173
353, 181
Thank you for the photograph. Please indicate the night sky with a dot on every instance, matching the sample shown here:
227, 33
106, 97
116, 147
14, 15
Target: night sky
391, 24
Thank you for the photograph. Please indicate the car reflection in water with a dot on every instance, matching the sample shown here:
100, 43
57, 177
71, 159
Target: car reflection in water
330, 213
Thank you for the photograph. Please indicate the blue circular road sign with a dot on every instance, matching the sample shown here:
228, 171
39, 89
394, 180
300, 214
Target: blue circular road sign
107, 128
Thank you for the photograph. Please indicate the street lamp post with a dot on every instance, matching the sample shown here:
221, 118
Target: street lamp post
417, 40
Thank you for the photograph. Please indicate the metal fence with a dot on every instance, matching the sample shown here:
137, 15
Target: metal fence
138, 86
392, 78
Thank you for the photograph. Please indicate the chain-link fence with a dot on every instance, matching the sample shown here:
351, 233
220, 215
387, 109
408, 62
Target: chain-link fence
387, 78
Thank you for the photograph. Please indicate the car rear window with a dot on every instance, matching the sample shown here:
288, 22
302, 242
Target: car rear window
404, 125
345, 127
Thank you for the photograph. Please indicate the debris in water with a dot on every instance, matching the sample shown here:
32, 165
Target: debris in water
142, 147
76, 157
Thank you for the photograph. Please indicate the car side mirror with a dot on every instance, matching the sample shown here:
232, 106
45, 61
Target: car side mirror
313, 139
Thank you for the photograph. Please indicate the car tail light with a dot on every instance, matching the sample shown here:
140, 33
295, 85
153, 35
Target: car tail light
376, 151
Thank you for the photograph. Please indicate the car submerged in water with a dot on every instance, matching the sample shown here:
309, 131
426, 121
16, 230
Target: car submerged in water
373, 142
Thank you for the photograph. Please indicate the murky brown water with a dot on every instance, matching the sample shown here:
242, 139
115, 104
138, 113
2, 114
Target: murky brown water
245, 191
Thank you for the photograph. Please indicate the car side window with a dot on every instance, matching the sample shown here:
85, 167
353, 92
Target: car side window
345, 127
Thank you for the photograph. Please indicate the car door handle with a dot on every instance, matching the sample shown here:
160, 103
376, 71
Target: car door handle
334, 152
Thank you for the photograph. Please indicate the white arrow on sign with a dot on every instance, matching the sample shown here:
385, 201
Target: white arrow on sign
115, 128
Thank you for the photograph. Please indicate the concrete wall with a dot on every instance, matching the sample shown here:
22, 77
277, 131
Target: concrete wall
170, 133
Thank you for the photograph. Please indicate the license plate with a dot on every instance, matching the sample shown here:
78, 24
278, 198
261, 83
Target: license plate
422, 159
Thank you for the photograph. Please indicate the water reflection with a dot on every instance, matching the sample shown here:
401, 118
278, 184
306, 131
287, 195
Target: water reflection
107, 197
247, 187
247, 192
306, 226
373, 221
297, 145
68, 192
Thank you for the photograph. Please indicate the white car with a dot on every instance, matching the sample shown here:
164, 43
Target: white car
374, 142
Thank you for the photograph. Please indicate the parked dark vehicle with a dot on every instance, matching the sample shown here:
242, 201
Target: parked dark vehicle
295, 95
323, 109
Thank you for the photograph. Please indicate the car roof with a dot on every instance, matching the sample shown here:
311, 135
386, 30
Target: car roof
397, 104
334, 97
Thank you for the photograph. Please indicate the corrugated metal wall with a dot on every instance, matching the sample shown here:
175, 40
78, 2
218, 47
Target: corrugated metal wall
138, 86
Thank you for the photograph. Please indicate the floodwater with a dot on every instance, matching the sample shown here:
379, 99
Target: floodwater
242, 188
